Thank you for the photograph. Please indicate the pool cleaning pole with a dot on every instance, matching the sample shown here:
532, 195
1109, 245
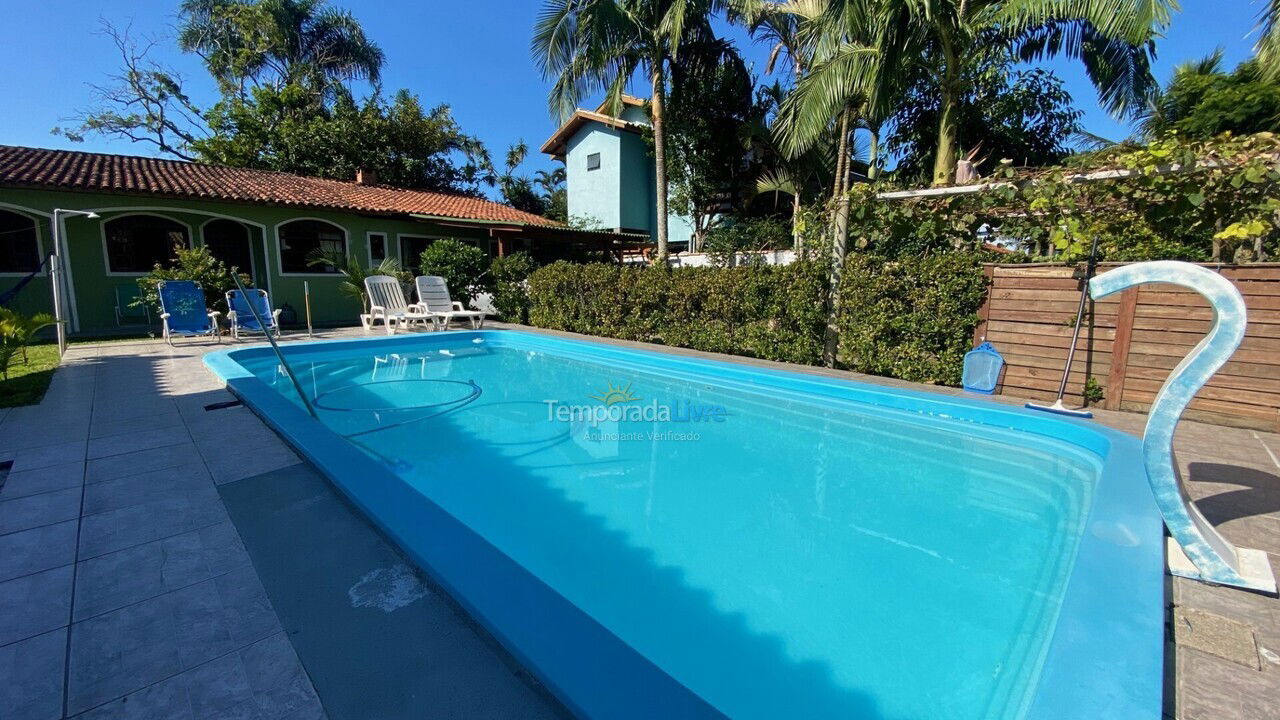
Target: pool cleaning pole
306, 294
297, 386
1057, 406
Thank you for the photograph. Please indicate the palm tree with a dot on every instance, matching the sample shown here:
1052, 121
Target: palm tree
586, 46
1161, 110
1268, 47
301, 43
1114, 39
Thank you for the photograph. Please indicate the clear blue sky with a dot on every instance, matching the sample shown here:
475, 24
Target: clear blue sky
472, 55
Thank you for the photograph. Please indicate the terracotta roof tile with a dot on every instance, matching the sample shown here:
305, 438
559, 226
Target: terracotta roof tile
90, 172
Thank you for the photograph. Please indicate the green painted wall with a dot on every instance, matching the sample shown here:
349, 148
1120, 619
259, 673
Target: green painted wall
95, 291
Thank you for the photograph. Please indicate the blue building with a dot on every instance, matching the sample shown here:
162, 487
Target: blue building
609, 173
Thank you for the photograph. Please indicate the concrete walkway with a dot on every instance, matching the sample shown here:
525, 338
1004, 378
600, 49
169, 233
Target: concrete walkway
126, 590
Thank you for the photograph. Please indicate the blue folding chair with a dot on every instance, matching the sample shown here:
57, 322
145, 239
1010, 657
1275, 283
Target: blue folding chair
240, 314
183, 312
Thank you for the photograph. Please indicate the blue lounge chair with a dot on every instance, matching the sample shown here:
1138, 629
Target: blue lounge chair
240, 315
183, 312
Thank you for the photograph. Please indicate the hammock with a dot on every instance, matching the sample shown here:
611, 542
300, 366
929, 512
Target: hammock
7, 296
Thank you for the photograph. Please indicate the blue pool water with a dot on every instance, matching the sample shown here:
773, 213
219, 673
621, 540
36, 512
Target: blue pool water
775, 547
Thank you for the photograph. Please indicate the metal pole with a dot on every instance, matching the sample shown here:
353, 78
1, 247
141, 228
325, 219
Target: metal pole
55, 276
297, 386
306, 293
1075, 335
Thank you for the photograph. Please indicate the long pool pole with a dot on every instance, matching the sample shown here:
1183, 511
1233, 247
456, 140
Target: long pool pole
297, 386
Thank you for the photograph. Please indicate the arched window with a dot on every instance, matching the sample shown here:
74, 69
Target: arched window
228, 241
19, 247
301, 239
137, 243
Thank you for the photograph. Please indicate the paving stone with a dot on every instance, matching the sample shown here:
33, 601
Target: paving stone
190, 481
229, 468
165, 700
37, 549
33, 671
1216, 635
40, 480
114, 530
279, 683
138, 573
134, 463
33, 511
123, 651
221, 615
46, 455
142, 440
34, 604
153, 421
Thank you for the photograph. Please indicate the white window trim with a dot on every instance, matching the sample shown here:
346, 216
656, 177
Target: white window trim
248, 238
386, 245
346, 247
41, 270
106, 256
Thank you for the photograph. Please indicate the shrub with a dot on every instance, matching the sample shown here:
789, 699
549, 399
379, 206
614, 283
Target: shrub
725, 242
912, 317
462, 266
768, 312
17, 331
197, 265
510, 287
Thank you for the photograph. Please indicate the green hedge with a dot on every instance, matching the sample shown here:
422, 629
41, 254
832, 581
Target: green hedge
766, 312
910, 318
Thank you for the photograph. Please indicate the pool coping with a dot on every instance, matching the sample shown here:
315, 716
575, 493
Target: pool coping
1105, 659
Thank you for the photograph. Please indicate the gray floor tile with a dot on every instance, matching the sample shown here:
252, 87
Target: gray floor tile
42, 548
45, 479
222, 615
134, 463
107, 532
220, 689
33, 511
34, 604
155, 421
227, 468
165, 700
141, 440
33, 672
190, 481
138, 573
280, 684
46, 455
122, 652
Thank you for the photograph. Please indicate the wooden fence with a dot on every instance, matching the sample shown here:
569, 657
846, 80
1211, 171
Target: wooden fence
1131, 341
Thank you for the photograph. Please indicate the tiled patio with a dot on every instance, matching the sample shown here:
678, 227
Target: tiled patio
127, 591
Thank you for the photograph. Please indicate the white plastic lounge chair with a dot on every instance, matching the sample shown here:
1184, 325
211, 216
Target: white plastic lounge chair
387, 303
240, 315
433, 297
183, 312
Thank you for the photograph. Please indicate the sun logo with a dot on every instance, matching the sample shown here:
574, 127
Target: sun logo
612, 395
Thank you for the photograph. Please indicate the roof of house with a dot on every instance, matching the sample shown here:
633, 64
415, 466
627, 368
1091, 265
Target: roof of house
127, 174
556, 144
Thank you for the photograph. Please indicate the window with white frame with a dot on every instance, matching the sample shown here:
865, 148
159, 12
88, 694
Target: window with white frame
137, 243
302, 241
377, 248
19, 246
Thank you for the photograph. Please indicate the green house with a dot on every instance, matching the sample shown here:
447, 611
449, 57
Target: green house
265, 223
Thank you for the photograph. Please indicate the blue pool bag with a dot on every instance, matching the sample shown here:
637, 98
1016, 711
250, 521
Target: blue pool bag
982, 367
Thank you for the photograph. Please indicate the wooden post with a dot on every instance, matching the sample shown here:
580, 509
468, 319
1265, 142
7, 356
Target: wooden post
984, 312
1120, 348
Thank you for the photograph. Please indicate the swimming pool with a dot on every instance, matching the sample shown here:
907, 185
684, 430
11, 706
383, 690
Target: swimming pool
654, 535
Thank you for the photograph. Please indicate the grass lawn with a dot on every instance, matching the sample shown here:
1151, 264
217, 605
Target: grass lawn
28, 381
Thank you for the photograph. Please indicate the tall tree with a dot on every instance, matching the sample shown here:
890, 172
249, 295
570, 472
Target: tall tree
304, 44
1114, 39
1268, 47
1202, 100
586, 46
1023, 115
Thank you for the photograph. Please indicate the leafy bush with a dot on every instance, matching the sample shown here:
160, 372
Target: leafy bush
354, 274
724, 242
196, 265
510, 287
462, 266
768, 312
17, 331
910, 318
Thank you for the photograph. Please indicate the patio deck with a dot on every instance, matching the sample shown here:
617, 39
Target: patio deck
158, 559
